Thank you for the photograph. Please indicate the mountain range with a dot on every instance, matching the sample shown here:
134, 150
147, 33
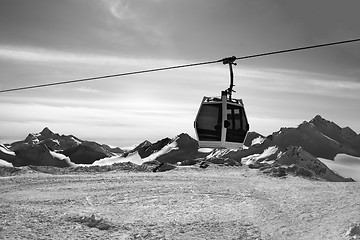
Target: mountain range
303, 150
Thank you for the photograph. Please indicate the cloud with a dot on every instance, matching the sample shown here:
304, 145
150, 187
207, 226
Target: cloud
136, 26
119, 9
260, 79
43, 55
103, 120
156, 105
298, 82
129, 9
47, 55
87, 90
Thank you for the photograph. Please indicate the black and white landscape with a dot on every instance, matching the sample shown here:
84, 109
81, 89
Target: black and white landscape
98, 97
318, 148
297, 183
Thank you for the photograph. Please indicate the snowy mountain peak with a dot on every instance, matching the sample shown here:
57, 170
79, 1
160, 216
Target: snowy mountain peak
324, 124
319, 137
46, 133
31, 139
184, 141
345, 136
318, 118
35, 138
348, 133
251, 136
295, 155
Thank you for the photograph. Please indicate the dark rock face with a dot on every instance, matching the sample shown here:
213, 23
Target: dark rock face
84, 154
309, 139
250, 137
301, 158
142, 145
46, 133
346, 137
36, 150
224, 161
337, 139
156, 166
297, 161
163, 167
189, 162
186, 143
31, 139
187, 148
204, 164
37, 155
6, 156
113, 150
318, 137
147, 150
52, 140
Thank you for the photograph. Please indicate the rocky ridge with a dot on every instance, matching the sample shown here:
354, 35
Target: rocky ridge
289, 150
51, 149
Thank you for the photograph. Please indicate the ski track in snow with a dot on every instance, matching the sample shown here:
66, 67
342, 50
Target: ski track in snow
186, 203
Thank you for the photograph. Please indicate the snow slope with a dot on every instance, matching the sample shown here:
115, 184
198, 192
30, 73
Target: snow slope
178, 149
5, 150
136, 158
4, 163
268, 155
61, 157
7, 157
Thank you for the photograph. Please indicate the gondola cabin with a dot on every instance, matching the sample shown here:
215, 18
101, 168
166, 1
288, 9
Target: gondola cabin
221, 122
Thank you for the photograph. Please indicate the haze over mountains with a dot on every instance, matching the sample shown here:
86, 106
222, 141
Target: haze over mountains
295, 149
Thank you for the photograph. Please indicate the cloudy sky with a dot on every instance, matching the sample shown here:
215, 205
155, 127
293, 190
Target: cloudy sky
43, 41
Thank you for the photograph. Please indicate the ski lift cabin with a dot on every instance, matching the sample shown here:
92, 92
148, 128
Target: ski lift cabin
221, 122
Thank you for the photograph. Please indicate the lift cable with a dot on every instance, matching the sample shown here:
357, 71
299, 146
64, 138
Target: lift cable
107, 76
298, 49
225, 61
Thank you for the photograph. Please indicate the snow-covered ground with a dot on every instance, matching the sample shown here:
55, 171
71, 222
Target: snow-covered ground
345, 165
6, 150
4, 163
186, 203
